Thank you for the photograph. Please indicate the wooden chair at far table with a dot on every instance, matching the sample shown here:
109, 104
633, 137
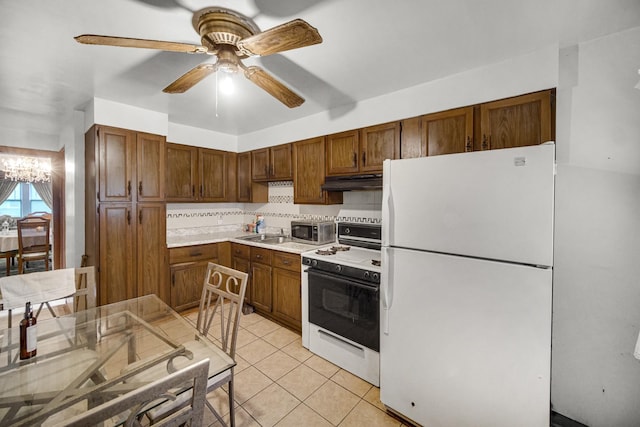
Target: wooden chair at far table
222, 297
136, 401
33, 241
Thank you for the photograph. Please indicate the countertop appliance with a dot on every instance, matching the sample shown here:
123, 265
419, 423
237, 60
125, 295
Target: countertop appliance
341, 300
313, 232
466, 287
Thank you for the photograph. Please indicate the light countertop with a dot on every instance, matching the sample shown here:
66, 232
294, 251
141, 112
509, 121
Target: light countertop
207, 235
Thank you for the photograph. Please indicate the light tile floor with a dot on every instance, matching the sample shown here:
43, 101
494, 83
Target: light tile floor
280, 383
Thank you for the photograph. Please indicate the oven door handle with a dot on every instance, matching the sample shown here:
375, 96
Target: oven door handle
342, 279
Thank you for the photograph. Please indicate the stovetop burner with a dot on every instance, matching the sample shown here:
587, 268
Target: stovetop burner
328, 251
341, 248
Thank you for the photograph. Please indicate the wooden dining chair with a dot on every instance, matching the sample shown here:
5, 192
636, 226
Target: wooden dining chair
221, 301
33, 241
136, 402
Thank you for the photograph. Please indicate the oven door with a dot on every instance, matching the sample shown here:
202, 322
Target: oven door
345, 306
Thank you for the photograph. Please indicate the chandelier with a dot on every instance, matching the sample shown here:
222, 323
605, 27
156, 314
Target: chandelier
27, 169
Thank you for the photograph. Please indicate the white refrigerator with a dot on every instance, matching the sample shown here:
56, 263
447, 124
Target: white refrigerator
466, 287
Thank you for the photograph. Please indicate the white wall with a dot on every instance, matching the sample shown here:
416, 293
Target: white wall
72, 139
595, 378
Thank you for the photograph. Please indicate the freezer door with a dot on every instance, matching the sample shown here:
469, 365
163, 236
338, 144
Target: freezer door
465, 342
490, 204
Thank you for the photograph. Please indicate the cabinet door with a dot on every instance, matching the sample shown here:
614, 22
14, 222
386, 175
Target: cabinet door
249, 191
411, 141
116, 163
378, 143
213, 168
280, 163
261, 286
448, 132
117, 253
308, 173
181, 173
151, 250
242, 264
516, 122
287, 297
150, 156
244, 177
342, 153
260, 164
186, 284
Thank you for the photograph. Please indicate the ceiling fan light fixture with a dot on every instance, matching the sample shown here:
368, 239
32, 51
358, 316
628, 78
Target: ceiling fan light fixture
225, 83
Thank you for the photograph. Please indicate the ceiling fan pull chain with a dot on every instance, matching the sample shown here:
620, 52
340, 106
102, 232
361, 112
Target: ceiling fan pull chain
216, 94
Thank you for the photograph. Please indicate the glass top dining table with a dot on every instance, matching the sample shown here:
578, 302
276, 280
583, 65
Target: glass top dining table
85, 359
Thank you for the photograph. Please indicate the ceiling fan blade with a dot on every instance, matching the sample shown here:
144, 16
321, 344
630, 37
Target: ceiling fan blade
276, 89
190, 78
291, 35
141, 43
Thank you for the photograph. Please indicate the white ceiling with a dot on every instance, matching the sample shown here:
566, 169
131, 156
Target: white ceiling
370, 47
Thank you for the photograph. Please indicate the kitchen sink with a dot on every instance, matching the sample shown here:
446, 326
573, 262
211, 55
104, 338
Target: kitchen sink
267, 238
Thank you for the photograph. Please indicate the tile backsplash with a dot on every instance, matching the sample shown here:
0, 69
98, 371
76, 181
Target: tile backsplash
358, 206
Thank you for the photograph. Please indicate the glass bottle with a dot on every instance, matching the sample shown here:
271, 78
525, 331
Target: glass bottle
28, 335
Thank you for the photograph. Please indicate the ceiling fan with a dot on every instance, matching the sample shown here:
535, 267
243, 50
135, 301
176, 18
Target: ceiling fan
231, 37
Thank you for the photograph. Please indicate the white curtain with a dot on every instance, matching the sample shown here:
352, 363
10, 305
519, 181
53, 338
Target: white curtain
6, 188
44, 190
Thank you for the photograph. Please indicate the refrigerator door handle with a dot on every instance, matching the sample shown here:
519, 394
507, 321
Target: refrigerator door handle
387, 203
386, 287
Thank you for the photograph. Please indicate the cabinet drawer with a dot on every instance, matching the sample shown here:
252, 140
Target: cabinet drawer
261, 255
240, 251
286, 260
193, 253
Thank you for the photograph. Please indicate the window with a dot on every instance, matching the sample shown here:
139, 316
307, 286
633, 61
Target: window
23, 200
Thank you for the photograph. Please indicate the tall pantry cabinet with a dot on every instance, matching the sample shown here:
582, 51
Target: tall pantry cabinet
125, 237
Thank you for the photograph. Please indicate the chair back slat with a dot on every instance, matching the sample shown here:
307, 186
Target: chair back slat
222, 298
138, 401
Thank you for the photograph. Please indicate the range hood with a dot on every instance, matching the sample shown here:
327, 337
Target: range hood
353, 182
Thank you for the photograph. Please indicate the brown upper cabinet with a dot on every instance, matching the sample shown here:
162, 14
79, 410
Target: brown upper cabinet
362, 150
309, 173
200, 174
272, 163
445, 132
248, 190
512, 122
130, 165
516, 122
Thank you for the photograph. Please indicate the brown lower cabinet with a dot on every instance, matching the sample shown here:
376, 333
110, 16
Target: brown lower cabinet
274, 288
187, 267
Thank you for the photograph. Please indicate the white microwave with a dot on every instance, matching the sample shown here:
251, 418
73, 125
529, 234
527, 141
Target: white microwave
313, 232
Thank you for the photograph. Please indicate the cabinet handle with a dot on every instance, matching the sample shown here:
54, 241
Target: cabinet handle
258, 256
364, 158
196, 254
286, 262
193, 190
173, 279
139, 188
270, 170
139, 217
201, 191
129, 188
266, 170
355, 159
128, 217
485, 145
469, 146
